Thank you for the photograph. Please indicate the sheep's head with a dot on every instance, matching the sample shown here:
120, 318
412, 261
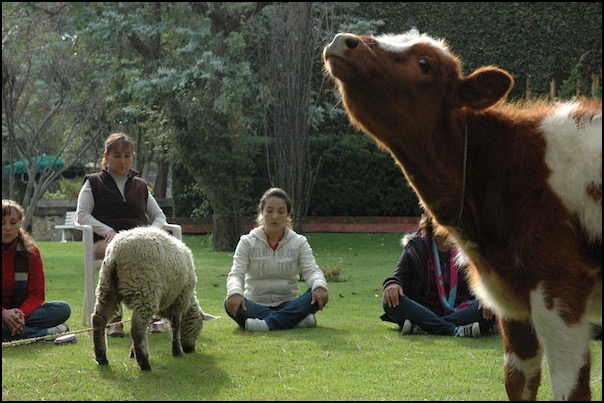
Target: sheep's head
191, 325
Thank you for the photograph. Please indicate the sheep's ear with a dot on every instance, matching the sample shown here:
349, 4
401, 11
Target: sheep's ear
484, 88
208, 317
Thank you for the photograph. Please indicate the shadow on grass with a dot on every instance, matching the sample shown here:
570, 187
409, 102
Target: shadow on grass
193, 376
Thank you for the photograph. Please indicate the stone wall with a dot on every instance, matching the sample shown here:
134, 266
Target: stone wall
43, 229
48, 213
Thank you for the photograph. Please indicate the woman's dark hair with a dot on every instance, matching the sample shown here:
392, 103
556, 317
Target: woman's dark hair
429, 228
426, 227
23, 237
274, 192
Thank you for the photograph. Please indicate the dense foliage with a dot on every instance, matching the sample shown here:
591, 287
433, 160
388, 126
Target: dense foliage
535, 41
189, 82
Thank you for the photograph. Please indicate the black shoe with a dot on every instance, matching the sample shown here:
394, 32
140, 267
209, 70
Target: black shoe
471, 330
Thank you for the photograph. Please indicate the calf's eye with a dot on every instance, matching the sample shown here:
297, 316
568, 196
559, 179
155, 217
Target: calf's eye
424, 65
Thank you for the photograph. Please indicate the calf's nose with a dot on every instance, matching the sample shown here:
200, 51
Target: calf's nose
342, 42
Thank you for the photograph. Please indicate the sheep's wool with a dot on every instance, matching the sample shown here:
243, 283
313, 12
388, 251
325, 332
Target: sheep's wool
152, 273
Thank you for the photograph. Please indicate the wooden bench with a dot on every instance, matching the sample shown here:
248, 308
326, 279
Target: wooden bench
68, 225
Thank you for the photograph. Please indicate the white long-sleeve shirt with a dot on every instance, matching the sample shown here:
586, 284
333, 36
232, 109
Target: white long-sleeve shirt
85, 205
271, 277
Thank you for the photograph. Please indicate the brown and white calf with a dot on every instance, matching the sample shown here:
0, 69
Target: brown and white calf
518, 186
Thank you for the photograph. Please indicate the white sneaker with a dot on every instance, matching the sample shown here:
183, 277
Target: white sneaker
309, 321
256, 325
409, 328
62, 328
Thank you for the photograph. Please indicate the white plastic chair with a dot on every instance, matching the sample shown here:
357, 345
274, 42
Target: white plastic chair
68, 225
91, 265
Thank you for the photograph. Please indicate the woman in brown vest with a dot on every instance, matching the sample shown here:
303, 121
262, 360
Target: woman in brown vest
117, 199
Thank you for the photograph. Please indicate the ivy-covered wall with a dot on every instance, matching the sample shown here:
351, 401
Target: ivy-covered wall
538, 41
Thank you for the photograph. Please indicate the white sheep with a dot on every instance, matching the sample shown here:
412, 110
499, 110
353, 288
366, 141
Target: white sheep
150, 272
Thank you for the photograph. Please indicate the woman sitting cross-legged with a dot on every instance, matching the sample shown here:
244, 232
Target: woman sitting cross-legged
428, 292
25, 315
262, 286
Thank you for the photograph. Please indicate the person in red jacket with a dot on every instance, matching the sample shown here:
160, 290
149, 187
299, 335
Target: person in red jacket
24, 313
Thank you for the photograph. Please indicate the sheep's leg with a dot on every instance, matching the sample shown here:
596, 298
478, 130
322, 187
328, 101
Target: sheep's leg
104, 309
99, 338
522, 359
175, 323
140, 344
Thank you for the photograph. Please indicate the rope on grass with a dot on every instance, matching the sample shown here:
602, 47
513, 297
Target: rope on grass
51, 337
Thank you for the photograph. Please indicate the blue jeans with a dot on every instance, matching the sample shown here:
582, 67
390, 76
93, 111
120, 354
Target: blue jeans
284, 316
435, 324
50, 314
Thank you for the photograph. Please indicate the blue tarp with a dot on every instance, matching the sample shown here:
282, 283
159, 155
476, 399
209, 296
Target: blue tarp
42, 161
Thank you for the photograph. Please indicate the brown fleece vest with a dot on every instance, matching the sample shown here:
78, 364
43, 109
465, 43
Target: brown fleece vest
117, 211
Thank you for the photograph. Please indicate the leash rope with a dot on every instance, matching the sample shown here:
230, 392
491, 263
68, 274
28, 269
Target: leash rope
31, 340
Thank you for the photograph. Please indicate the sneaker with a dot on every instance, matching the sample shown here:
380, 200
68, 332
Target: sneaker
256, 325
409, 328
470, 330
156, 326
116, 330
62, 328
309, 321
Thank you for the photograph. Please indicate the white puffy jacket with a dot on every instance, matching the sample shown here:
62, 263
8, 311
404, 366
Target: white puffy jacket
271, 277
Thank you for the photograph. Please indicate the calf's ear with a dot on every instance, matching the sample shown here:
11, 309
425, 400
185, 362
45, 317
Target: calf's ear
484, 88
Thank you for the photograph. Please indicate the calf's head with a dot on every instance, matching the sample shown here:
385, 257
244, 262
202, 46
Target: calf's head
410, 77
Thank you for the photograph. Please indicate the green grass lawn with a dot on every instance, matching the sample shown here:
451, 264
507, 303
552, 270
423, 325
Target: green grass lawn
351, 355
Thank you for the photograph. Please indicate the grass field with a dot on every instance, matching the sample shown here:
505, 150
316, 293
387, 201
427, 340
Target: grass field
351, 355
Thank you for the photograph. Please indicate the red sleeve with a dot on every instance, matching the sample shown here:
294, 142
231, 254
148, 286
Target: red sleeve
35, 284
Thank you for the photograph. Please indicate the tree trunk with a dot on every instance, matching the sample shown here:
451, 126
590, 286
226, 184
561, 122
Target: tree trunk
228, 222
161, 181
291, 66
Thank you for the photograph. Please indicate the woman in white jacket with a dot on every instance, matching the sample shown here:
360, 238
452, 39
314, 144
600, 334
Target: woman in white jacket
262, 286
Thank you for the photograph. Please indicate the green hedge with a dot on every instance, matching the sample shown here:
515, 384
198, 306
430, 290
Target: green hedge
535, 41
